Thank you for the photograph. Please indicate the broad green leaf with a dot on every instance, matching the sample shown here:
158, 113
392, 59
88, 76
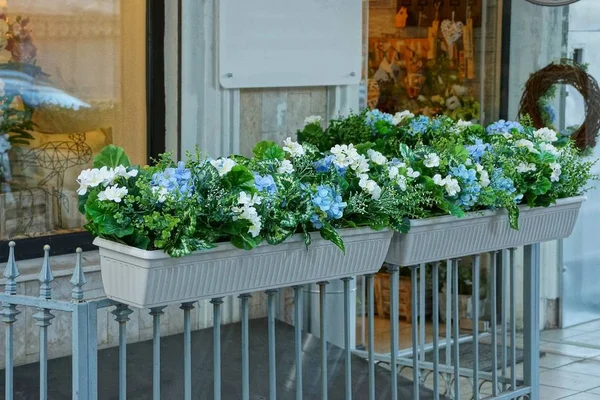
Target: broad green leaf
268, 150
111, 156
328, 232
245, 241
541, 186
240, 177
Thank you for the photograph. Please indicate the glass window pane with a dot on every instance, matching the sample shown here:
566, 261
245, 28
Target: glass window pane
72, 80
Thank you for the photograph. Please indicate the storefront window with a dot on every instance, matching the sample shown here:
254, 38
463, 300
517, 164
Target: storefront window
72, 80
426, 56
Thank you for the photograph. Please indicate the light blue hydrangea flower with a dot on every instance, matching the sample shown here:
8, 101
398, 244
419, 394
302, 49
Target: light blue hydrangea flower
501, 182
329, 202
316, 221
470, 187
376, 118
477, 150
175, 179
503, 127
324, 164
419, 125
265, 183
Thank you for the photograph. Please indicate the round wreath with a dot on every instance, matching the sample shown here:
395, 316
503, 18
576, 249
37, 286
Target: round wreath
567, 73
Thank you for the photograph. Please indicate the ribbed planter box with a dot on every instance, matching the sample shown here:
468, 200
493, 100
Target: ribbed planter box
442, 238
145, 279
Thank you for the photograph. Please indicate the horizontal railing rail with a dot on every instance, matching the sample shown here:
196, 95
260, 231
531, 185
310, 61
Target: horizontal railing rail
431, 377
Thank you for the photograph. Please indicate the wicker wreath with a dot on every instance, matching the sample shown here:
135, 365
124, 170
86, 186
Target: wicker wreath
567, 73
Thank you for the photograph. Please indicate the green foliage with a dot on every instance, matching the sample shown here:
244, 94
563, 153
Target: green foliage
111, 156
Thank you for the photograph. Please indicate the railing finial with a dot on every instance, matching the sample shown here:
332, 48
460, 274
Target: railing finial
78, 279
11, 272
46, 275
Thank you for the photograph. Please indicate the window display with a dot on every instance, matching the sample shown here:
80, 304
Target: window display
72, 80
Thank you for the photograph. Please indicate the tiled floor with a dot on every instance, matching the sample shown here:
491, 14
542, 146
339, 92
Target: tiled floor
569, 369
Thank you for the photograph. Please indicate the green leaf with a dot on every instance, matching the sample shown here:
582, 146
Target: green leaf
460, 153
406, 152
240, 177
328, 232
541, 186
513, 216
111, 156
140, 241
363, 148
268, 150
245, 241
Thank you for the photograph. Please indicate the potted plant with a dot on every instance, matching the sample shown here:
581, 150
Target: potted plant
207, 228
472, 189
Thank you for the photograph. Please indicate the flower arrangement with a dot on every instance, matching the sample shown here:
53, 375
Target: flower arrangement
459, 166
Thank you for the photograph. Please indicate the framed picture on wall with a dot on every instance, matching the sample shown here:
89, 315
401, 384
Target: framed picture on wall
381, 3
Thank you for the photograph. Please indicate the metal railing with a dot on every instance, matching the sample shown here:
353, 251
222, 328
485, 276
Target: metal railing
446, 376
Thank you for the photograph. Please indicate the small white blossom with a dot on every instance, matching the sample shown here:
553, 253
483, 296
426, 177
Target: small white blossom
401, 116
161, 192
294, 148
223, 165
113, 193
376, 157
438, 180
556, 171
401, 181
547, 147
525, 167
313, 119
361, 165
285, 167
527, 144
412, 173
452, 186
90, 178
463, 124
484, 178
546, 135
370, 186
393, 172
431, 160
247, 200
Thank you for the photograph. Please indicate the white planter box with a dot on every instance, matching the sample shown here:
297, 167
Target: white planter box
145, 279
442, 238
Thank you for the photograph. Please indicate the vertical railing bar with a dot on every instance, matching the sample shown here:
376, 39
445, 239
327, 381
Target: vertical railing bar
271, 294
156, 312
531, 322
363, 299
298, 339
245, 347
393, 271
43, 318
347, 348
217, 302
9, 316
513, 322
415, 328
371, 284
494, 316
448, 311
456, 332
122, 313
323, 334
476, 268
422, 277
503, 322
436, 331
187, 349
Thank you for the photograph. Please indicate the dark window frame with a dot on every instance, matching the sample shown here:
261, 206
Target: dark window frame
66, 243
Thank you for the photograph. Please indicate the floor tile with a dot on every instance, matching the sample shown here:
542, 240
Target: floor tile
559, 334
589, 326
569, 350
583, 396
585, 338
569, 380
586, 367
553, 393
594, 390
556, 360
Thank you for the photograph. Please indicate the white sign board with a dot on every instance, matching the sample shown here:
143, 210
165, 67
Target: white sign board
287, 43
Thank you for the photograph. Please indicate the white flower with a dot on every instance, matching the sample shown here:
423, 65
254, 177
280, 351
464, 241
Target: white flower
401, 116
376, 157
255, 228
438, 180
393, 172
223, 165
113, 193
431, 160
412, 173
525, 167
484, 178
338, 149
248, 212
161, 192
452, 187
463, 124
247, 200
285, 167
556, 171
122, 171
370, 186
546, 135
547, 147
401, 181
313, 119
361, 165
294, 148
526, 143
90, 178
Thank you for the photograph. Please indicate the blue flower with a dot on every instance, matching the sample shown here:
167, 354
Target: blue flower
478, 149
328, 201
265, 183
470, 187
316, 221
504, 127
419, 125
501, 182
376, 119
324, 164
175, 179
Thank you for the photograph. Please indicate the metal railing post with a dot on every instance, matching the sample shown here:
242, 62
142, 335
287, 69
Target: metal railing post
531, 321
